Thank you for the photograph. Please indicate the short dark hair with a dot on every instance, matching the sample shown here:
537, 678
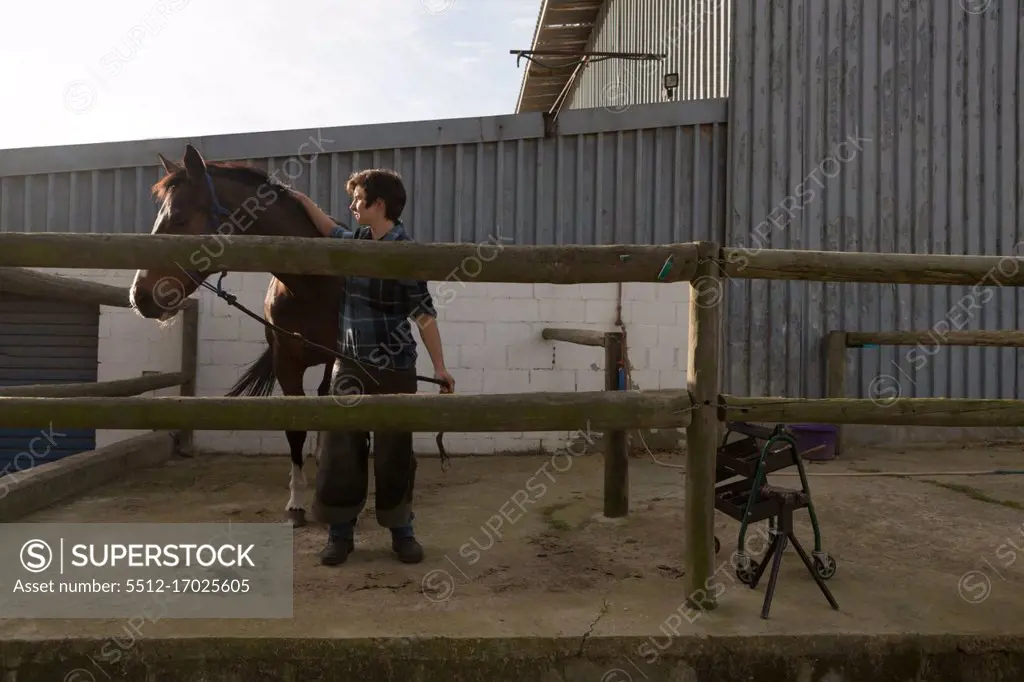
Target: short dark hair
380, 183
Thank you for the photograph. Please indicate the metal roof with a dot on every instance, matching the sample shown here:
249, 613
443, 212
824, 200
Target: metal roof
563, 25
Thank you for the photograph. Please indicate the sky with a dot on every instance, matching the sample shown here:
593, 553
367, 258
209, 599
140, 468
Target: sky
111, 70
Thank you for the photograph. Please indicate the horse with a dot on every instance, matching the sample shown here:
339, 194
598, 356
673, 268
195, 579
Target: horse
191, 195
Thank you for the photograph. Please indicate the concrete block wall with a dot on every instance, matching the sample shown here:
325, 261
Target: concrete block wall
492, 344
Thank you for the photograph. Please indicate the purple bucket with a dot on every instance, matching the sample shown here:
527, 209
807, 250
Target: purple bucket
822, 438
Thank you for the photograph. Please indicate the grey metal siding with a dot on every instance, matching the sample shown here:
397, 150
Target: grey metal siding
655, 176
45, 342
695, 36
936, 92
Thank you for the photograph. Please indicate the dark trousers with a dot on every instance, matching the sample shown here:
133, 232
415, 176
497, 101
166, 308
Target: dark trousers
342, 473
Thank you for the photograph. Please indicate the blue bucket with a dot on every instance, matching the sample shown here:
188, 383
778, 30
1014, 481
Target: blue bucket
823, 438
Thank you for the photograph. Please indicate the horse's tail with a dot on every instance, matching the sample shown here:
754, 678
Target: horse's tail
258, 380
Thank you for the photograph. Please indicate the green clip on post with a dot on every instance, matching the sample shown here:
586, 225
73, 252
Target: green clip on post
666, 268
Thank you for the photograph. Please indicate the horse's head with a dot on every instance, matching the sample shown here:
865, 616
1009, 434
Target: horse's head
186, 197
200, 198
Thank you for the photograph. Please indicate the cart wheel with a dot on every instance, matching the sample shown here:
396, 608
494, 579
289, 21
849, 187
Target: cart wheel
718, 545
826, 568
746, 573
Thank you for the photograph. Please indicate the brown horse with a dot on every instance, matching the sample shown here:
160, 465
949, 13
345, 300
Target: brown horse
200, 198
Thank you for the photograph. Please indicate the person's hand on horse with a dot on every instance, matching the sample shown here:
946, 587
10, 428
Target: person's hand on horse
443, 375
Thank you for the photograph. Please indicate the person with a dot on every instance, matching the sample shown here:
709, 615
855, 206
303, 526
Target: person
374, 332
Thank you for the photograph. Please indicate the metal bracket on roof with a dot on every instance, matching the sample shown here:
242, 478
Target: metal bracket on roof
550, 123
585, 58
588, 56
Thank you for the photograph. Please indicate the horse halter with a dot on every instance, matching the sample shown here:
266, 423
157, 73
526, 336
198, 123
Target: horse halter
218, 209
211, 228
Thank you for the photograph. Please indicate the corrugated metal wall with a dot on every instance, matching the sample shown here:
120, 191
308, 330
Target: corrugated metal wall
45, 342
891, 125
655, 176
695, 36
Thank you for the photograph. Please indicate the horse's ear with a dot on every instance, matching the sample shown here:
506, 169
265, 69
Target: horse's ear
195, 166
168, 165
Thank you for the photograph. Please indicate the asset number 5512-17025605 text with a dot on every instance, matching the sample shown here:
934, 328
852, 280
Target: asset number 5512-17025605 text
185, 585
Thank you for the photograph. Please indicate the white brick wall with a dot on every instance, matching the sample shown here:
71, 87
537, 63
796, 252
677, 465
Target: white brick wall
491, 335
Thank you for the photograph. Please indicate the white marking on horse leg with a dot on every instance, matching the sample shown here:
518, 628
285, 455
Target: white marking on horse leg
296, 488
310, 447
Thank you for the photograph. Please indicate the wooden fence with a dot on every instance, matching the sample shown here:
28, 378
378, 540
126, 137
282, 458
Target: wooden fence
616, 450
838, 342
699, 409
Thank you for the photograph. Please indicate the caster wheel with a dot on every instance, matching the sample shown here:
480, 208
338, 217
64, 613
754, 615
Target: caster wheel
745, 574
825, 566
718, 546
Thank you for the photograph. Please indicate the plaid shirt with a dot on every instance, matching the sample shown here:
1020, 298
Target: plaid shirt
374, 317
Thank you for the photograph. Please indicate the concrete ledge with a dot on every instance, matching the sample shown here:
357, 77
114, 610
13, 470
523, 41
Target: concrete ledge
25, 492
778, 658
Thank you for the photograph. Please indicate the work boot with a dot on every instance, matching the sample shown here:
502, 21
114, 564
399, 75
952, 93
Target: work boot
336, 551
408, 549
339, 544
403, 542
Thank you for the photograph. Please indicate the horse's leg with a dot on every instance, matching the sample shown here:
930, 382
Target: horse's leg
325, 383
289, 375
323, 389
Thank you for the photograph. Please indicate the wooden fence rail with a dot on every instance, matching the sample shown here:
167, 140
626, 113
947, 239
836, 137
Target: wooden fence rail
492, 261
600, 410
43, 284
877, 268
616, 452
898, 412
583, 337
1014, 339
116, 388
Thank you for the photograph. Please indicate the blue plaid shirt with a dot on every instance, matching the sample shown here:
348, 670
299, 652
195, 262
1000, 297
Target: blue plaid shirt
374, 317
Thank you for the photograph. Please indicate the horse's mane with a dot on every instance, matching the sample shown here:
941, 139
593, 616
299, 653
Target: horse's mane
231, 170
250, 176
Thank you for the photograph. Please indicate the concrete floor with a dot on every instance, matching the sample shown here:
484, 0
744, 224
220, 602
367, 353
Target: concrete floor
903, 547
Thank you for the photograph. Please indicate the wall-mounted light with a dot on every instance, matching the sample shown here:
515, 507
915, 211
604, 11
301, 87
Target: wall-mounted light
671, 82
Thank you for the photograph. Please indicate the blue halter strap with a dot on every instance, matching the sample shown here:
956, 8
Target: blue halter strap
218, 209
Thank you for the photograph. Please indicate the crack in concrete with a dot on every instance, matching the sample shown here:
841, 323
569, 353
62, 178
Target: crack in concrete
399, 586
600, 614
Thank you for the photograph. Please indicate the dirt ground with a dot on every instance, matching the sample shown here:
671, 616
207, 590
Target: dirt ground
558, 568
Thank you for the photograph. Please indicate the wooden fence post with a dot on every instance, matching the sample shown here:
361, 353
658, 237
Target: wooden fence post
616, 455
702, 433
835, 368
189, 365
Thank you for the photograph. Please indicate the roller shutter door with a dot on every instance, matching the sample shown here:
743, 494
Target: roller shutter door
45, 342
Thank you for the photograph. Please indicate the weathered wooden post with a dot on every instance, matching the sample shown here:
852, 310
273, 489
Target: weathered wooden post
706, 292
835, 364
189, 364
616, 455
